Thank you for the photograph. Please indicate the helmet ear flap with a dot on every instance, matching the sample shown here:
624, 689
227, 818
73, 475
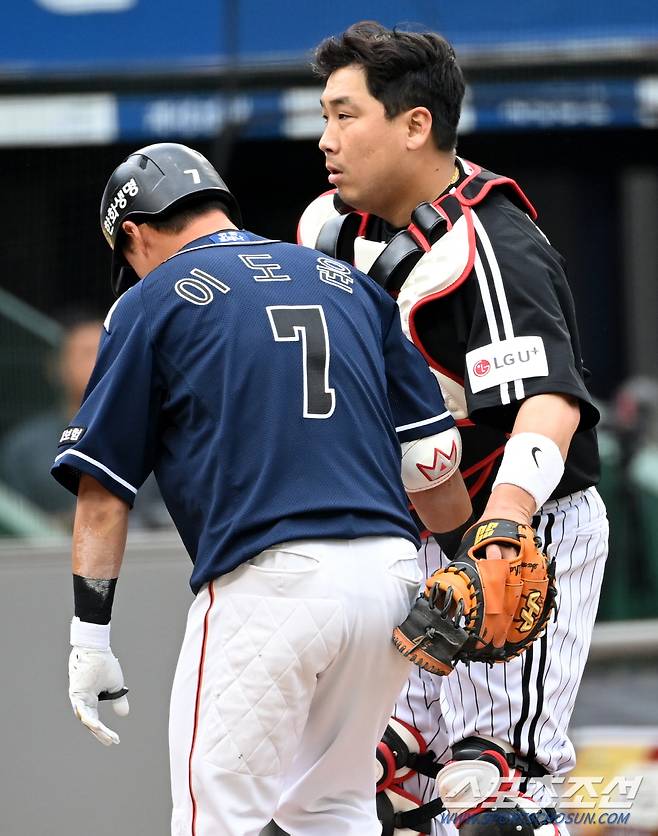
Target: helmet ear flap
122, 277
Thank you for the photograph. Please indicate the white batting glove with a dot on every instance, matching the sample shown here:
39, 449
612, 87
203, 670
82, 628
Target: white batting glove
95, 674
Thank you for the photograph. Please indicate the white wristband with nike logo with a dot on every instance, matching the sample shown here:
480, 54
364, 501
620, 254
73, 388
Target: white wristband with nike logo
532, 462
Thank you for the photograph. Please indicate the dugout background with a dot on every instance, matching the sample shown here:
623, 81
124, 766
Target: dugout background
54, 255
575, 122
562, 96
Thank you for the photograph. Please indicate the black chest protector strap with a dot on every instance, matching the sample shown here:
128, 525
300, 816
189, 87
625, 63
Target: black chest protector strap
396, 261
404, 251
430, 222
337, 236
392, 267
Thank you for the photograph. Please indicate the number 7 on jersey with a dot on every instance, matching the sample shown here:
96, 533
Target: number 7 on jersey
306, 323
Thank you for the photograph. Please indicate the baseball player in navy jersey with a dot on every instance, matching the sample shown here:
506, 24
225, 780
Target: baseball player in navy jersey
272, 391
484, 296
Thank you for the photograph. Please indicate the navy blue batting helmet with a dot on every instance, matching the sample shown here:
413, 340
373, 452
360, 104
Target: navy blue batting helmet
149, 182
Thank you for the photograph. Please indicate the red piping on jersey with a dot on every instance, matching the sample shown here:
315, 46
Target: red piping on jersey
465, 203
498, 181
486, 465
365, 217
197, 703
482, 478
446, 290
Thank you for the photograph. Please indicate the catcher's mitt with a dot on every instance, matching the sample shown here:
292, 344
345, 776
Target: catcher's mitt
478, 609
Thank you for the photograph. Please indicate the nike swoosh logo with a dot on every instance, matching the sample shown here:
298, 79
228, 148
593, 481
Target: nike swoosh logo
533, 451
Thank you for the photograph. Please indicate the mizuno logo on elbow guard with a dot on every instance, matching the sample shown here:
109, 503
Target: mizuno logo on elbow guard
442, 462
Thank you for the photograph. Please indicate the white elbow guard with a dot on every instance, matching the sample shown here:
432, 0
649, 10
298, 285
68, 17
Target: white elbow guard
532, 462
430, 461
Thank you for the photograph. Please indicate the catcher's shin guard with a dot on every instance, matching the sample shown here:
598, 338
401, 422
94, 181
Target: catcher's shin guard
482, 787
397, 813
523, 817
402, 753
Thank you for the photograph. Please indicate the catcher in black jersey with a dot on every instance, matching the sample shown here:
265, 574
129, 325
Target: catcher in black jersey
484, 296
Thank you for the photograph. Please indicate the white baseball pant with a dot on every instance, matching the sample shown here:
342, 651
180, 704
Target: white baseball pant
285, 682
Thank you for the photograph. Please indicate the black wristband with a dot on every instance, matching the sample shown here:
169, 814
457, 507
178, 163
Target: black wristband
93, 598
449, 541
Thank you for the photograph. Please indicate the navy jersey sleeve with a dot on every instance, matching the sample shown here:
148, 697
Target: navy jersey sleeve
413, 391
523, 338
111, 437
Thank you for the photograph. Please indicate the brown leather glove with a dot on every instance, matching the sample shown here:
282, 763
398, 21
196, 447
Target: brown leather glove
478, 609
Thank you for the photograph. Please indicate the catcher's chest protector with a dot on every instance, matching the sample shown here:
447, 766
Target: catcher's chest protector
427, 261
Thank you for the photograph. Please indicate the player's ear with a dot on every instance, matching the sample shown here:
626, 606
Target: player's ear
132, 236
419, 127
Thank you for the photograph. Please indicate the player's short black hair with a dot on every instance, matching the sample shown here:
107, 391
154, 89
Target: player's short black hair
175, 220
403, 70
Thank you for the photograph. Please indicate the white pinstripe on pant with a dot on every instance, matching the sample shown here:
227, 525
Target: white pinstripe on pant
529, 700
